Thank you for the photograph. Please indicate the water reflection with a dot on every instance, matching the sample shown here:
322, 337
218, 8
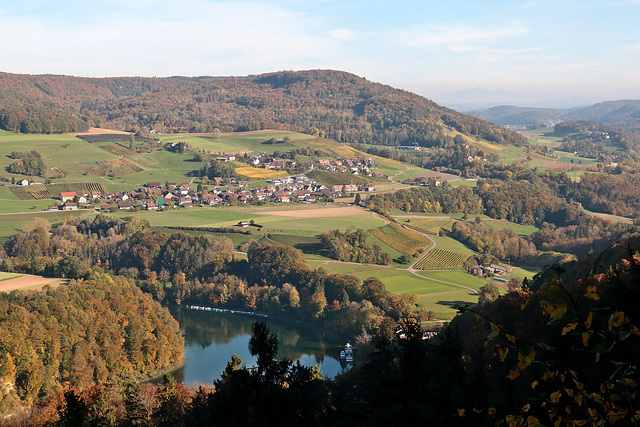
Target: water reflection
212, 338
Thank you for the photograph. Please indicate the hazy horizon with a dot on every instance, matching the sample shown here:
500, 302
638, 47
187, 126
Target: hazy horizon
531, 52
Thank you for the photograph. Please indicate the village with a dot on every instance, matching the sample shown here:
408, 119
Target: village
228, 191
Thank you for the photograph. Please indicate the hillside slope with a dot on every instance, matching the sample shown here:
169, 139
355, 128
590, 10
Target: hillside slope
336, 104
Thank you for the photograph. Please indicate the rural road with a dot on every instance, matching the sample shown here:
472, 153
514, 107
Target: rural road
413, 270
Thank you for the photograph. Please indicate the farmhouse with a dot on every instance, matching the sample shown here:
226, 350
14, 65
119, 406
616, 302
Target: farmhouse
243, 224
126, 204
495, 268
350, 188
67, 195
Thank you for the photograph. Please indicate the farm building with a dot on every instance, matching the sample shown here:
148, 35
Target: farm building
67, 195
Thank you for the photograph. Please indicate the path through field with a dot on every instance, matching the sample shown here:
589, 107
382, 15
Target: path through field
413, 271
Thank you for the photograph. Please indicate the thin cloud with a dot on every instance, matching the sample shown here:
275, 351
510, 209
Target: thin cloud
458, 35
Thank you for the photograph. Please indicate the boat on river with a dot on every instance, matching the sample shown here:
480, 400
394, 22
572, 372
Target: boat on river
347, 353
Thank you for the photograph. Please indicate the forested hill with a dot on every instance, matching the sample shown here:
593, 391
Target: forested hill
339, 105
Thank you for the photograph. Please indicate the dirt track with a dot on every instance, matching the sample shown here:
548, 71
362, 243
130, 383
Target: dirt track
100, 131
28, 281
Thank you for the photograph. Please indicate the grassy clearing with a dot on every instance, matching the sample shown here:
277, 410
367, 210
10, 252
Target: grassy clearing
401, 239
501, 224
458, 276
431, 226
487, 147
452, 245
243, 142
64, 151
432, 295
411, 172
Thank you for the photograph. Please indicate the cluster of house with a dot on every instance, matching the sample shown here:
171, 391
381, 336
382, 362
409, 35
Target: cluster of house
358, 166
483, 270
429, 181
155, 195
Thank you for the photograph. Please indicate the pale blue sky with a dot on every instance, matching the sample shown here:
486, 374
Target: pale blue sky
586, 48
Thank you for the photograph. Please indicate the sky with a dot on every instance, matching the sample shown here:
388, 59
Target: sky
448, 50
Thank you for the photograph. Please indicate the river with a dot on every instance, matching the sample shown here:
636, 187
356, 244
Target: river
212, 338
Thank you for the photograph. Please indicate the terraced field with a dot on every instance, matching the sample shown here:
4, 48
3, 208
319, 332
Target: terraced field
439, 259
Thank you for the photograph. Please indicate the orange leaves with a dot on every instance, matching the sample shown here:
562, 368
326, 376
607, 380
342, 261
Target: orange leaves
587, 323
591, 293
525, 357
570, 327
617, 319
554, 311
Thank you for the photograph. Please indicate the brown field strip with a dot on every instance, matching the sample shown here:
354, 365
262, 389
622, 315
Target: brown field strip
28, 281
318, 212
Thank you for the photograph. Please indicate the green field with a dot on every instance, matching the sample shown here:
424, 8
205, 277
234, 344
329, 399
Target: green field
6, 276
64, 151
432, 295
235, 143
12, 223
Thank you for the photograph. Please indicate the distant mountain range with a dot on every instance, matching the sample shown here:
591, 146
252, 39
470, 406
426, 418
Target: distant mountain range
623, 113
334, 104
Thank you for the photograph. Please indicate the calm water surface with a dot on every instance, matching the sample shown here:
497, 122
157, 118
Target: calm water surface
212, 338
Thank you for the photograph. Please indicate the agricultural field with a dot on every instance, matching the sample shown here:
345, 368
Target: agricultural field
401, 239
64, 151
488, 147
240, 142
439, 259
259, 173
433, 294
52, 191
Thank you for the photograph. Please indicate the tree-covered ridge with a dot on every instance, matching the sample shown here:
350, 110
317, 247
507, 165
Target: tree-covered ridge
82, 334
339, 105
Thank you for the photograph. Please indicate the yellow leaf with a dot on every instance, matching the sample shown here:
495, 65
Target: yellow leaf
532, 421
569, 391
580, 422
587, 323
570, 327
579, 399
461, 412
525, 360
534, 384
555, 397
591, 293
558, 311
585, 339
617, 319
